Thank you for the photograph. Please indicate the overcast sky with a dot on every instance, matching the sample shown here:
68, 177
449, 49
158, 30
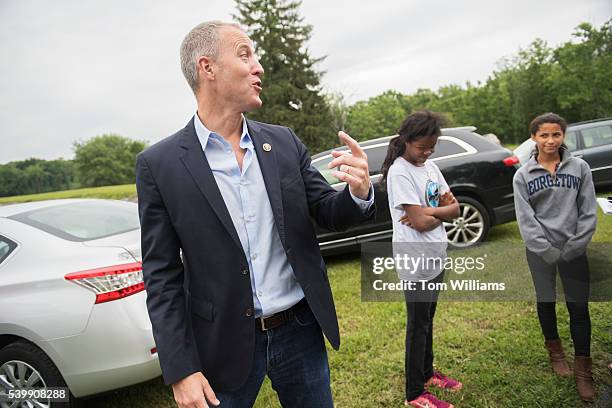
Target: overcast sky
74, 69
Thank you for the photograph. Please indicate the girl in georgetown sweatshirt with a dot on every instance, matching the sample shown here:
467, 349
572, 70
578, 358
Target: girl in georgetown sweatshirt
556, 211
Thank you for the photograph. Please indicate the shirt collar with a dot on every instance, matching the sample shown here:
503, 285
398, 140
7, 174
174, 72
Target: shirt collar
204, 133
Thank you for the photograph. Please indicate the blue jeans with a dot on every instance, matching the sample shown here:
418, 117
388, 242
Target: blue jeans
294, 357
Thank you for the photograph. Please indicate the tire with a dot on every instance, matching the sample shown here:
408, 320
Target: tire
471, 227
24, 355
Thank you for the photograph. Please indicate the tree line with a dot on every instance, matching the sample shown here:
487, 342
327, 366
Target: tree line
101, 161
573, 79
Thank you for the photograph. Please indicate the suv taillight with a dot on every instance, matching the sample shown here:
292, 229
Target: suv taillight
511, 161
111, 282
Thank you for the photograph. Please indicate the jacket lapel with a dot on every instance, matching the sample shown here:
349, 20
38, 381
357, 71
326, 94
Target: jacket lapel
197, 165
269, 169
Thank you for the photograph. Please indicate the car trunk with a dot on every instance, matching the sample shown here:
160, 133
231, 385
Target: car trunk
129, 242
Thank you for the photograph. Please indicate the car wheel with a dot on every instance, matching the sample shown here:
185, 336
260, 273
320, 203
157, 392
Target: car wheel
22, 364
472, 225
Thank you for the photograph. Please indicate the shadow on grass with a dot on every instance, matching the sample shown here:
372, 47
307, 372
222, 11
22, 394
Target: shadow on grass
152, 393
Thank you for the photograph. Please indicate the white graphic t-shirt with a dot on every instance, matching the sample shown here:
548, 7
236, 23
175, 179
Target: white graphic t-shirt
418, 185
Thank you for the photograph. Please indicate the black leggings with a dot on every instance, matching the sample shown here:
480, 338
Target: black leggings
575, 279
421, 308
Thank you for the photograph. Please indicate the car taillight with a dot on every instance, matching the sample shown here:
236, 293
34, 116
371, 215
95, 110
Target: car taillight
511, 161
111, 282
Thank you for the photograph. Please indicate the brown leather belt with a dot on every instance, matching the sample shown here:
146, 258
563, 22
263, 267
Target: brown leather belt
280, 318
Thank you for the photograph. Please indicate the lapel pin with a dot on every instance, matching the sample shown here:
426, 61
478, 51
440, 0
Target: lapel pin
267, 147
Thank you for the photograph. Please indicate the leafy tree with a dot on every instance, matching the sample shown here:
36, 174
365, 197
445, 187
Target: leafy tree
529, 92
339, 110
11, 177
106, 160
574, 80
292, 94
61, 173
378, 116
582, 74
35, 176
422, 99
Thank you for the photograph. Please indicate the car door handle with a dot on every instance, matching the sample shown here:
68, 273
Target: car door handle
577, 155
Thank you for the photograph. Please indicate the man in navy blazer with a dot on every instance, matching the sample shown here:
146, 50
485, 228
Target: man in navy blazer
236, 285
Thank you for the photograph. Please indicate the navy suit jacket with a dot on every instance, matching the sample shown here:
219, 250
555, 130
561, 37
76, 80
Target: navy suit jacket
195, 271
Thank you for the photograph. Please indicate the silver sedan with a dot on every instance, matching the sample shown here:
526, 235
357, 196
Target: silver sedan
72, 300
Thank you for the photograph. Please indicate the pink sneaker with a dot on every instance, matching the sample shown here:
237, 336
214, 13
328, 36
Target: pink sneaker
427, 400
444, 382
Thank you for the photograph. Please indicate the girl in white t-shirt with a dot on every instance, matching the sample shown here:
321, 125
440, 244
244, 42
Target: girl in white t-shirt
419, 201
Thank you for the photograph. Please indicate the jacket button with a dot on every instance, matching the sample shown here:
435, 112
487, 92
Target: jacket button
245, 270
249, 312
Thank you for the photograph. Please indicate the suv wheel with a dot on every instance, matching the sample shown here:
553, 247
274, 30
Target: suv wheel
22, 364
472, 225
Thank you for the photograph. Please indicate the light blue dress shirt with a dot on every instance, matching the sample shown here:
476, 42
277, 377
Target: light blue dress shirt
272, 279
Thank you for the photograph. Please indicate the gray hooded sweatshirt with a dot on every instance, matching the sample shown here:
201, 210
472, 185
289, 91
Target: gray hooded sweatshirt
556, 213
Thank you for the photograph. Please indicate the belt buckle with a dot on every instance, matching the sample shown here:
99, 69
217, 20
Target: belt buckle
263, 323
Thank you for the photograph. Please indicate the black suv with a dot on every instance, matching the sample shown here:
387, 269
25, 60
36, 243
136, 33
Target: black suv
478, 171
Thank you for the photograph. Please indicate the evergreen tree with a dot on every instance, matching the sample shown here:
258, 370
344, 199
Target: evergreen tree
292, 94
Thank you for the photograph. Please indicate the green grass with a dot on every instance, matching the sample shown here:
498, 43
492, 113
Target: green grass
495, 348
110, 192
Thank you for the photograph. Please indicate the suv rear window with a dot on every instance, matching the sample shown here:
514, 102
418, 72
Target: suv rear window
446, 148
321, 165
376, 156
83, 221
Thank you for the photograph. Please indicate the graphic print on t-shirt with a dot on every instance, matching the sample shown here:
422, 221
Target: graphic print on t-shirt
432, 193
422, 186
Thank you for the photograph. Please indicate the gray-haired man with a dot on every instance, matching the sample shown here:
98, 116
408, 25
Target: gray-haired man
250, 295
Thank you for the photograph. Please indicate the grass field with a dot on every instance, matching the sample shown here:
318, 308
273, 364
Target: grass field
110, 192
495, 348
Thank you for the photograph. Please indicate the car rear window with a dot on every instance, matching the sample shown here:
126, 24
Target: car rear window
447, 148
376, 156
321, 165
6, 247
83, 221
597, 136
570, 140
